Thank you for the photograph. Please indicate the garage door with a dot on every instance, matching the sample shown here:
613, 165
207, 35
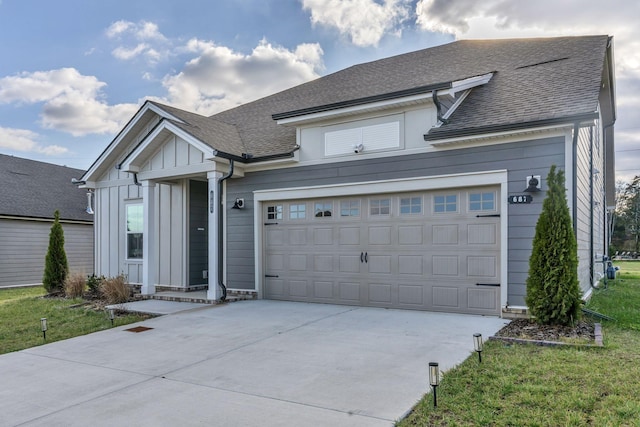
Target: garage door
435, 251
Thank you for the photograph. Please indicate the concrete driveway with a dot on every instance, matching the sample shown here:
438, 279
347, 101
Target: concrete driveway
263, 363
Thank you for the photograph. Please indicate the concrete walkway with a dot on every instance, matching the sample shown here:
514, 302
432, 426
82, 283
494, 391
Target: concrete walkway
253, 363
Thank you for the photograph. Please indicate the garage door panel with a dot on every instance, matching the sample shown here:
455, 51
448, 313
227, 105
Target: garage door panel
445, 265
412, 258
445, 296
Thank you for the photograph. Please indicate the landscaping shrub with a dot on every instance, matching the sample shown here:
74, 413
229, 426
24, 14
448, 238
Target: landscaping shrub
93, 283
115, 290
553, 293
75, 285
56, 266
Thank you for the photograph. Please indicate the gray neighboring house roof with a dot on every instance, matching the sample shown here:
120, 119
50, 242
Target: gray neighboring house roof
535, 82
33, 189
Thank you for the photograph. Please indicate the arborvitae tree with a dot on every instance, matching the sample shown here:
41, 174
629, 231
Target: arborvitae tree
553, 293
56, 266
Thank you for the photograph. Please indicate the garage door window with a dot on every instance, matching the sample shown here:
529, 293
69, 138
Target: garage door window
482, 201
410, 205
446, 203
350, 208
323, 209
379, 207
297, 211
274, 212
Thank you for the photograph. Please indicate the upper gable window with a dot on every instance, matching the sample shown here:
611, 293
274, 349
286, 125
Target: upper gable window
362, 139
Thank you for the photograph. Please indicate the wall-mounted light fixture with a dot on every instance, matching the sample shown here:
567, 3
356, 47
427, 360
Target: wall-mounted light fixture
238, 204
43, 326
477, 345
434, 380
533, 184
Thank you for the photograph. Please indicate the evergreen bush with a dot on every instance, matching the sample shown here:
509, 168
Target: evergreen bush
553, 292
56, 266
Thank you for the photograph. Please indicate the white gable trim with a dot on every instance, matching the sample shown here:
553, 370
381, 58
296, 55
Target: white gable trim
136, 159
111, 148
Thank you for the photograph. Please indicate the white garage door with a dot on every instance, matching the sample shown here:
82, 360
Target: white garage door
435, 251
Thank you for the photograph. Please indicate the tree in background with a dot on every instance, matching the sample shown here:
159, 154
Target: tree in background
626, 232
56, 266
553, 292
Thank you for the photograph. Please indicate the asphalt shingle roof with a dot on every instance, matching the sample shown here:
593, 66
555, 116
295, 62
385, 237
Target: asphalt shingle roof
534, 80
36, 189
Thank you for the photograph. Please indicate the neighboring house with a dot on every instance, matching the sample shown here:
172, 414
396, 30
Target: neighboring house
30, 193
386, 184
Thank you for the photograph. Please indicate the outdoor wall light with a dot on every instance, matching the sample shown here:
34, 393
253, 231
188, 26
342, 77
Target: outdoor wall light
477, 345
89, 209
238, 204
112, 315
43, 326
434, 380
533, 184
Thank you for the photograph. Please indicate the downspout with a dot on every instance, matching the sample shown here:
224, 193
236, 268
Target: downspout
220, 233
608, 228
591, 240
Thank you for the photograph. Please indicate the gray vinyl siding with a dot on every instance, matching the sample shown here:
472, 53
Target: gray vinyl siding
590, 214
519, 159
24, 246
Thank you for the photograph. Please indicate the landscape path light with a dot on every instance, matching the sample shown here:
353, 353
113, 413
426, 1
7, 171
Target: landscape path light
477, 345
434, 380
112, 315
43, 326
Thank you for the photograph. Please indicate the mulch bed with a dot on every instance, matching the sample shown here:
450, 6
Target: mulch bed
530, 330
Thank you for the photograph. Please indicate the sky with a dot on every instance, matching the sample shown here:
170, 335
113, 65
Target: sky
73, 72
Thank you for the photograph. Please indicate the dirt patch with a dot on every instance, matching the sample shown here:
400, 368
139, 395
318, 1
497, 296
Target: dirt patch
527, 329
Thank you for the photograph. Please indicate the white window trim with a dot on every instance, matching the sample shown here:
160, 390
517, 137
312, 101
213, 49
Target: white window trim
132, 202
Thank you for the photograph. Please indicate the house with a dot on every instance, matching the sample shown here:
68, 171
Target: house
409, 182
30, 193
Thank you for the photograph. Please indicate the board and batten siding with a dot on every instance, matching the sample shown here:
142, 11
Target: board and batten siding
520, 159
23, 248
590, 213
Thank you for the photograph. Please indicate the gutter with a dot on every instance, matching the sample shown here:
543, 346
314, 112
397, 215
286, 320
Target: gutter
220, 234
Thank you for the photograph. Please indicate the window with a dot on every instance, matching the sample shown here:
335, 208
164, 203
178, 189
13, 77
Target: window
482, 201
379, 207
297, 211
274, 212
134, 231
447, 203
410, 205
323, 209
350, 208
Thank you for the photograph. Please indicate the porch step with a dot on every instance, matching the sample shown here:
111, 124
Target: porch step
199, 297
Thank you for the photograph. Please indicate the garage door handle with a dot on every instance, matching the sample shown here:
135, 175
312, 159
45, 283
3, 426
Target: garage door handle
366, 257
361, 257
271, 275
487, 284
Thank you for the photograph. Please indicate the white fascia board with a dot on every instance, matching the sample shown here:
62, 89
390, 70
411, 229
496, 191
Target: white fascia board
387, 186
379, 105
471, 82
123, 133
497, 135
138, 156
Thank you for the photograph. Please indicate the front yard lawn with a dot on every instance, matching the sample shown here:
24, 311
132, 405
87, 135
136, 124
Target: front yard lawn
22, 308
527, 385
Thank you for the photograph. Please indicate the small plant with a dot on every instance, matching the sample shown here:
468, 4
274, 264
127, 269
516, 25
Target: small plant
75, 285
56, 266
93, 283
115, 290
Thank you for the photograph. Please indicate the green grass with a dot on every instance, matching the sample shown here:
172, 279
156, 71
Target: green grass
526, 385
22, 308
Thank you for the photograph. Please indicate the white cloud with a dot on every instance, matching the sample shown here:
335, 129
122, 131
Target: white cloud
72, 102
142, 39
219, 78
26, 141
364, 21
